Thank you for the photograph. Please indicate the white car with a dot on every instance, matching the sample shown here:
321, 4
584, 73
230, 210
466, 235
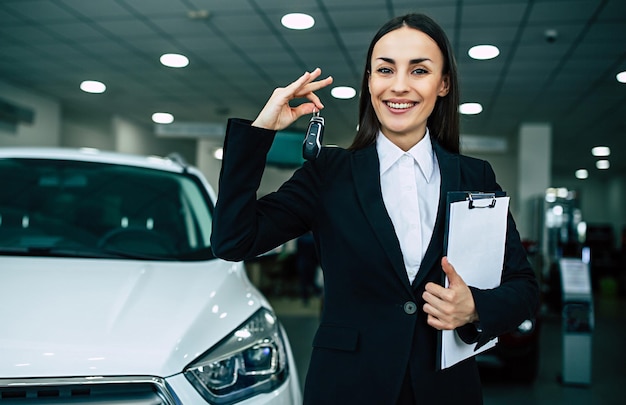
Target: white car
110, 292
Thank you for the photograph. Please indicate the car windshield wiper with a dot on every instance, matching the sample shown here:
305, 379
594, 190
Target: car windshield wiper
74, 252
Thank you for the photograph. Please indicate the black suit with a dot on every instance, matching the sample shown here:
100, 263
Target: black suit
373, 328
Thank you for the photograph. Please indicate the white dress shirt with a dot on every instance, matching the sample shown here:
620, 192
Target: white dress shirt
410, 183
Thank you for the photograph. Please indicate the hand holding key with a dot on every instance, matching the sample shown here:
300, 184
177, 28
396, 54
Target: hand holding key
278, 114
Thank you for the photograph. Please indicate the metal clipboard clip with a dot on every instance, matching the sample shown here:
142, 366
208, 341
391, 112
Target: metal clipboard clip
474, 197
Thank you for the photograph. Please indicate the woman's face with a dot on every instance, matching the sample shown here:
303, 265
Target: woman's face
405, 80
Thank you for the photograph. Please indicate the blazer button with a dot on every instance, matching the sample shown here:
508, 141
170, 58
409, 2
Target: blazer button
410, 307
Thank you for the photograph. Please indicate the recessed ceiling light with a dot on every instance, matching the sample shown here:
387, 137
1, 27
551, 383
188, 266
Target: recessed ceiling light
343, 92
603, 164
621, 77
470, 108
483, 52
162, 118
174, 60
601, 151
297, 21
582, 174
92, 86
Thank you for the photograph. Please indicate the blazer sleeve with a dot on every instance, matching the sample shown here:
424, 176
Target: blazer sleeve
503, 308
244, 227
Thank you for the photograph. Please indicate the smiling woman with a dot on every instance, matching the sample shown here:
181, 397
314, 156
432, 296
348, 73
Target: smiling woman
376, 212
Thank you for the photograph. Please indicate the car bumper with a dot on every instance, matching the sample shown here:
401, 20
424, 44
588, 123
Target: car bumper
131, 390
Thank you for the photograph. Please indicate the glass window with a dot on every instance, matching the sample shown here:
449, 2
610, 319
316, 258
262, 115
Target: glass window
86, 209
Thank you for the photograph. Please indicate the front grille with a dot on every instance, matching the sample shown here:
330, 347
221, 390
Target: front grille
85, 390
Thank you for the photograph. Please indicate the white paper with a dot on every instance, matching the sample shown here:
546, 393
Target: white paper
575, 278
476, 242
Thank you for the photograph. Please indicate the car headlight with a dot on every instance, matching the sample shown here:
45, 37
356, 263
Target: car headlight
250, 361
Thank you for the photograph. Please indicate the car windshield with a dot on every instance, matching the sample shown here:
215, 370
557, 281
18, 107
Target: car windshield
85, 209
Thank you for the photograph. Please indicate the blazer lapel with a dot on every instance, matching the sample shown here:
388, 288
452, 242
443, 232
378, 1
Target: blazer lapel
366, 172
450, 181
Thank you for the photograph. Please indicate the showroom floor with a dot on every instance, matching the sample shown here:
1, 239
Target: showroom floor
608, 356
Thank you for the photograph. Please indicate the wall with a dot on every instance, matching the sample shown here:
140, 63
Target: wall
210, 166
207, 163
133, 138
44, 131
505, 167
80, 129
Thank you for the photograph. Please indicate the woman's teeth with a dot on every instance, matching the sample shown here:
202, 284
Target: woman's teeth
400, 106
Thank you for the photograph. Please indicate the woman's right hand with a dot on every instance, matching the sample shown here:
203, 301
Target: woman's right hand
278, 114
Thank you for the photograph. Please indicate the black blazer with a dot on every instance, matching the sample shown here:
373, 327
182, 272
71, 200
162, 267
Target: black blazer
370, 332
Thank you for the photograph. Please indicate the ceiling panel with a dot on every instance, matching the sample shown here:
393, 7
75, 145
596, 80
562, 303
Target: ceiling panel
127, 29
564, 10
180, 26
152, 8
504, 13
95, 9
75, 31
39, 10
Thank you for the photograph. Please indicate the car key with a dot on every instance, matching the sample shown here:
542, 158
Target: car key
312, 144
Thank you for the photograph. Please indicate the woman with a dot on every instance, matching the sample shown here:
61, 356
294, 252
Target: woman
377, 212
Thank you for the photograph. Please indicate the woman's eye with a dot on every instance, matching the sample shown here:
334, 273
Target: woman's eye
384, 70
420, 71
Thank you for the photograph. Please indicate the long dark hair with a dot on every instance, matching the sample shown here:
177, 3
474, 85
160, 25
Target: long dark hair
443, 123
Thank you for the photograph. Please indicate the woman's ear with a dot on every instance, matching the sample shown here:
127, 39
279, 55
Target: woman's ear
444, 87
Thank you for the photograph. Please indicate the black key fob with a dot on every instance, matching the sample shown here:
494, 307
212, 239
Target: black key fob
312, 144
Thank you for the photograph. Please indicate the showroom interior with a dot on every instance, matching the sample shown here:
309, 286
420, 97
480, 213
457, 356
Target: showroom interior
546, 108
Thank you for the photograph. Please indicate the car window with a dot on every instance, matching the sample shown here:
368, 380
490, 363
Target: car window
71, 208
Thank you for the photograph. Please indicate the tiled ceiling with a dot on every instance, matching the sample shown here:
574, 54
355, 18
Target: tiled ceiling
240, 53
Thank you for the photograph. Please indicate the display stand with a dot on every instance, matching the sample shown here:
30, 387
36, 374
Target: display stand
578, 321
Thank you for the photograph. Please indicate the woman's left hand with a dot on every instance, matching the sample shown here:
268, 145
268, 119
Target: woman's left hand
451, 307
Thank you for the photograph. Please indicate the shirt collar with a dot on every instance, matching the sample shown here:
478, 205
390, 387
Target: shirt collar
422, 153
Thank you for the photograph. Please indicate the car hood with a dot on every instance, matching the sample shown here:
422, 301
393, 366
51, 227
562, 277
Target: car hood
77, 317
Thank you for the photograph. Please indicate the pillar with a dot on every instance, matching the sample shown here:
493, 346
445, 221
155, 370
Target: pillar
534, 173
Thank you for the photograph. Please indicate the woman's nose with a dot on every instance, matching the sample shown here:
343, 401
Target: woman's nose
400, 84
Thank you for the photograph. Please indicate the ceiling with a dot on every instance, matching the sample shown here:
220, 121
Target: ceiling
240, 52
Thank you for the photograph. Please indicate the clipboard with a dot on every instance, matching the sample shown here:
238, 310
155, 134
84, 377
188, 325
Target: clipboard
474, 241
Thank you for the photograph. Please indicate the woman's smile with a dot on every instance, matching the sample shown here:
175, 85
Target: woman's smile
400, 105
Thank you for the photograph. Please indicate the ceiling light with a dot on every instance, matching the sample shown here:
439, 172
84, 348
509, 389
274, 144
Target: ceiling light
174, 60
470, 108
601, 151
297, 21
92, 86
603, 164
483, 52
621, 77
343, 92
582, 174
163, 118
